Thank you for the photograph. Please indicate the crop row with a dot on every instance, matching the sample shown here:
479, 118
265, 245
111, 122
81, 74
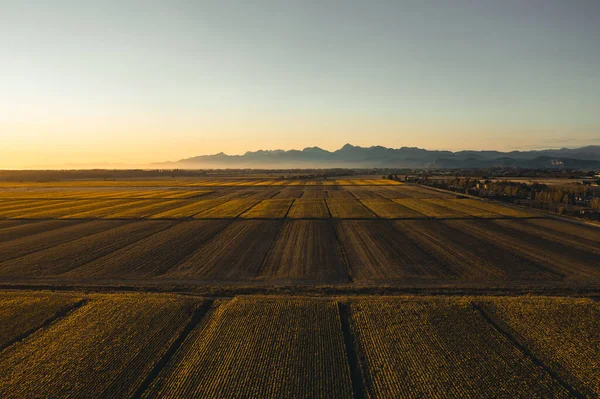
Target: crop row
562, 332
439, 349
103, 349
171, 346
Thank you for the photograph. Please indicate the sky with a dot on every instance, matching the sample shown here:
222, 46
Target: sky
131, 82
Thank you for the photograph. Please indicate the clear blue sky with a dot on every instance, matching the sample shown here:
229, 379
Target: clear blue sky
141, 81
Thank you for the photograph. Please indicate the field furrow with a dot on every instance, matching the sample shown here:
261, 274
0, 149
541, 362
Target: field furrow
587, 234
561, 240
37, 206
73, 254
235, 254
306, 251
47, 239
25, 228
154, 255
375, 251
561, 260
474, 259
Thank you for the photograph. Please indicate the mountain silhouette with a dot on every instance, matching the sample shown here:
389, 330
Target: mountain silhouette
350, 156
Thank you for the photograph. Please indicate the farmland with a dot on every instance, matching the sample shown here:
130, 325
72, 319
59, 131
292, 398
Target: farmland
328, 232
167, 345
258, 287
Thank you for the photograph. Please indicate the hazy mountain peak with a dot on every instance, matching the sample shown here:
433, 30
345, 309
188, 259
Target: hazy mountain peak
404, 157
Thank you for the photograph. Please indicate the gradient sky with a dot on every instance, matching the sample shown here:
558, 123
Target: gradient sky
139, 81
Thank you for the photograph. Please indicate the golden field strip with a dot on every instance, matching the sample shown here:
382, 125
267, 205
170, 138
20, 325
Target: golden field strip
130, 345
240, 199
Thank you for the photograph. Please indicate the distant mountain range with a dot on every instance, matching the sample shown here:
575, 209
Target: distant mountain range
350, 156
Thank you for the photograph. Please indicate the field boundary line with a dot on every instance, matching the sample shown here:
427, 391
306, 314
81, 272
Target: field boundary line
196, 318
62, 313
289, 208
359, 382
339, 242
263, 263
526, 351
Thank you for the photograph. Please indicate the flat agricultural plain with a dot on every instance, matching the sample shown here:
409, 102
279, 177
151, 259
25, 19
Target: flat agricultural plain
270, 288
355, 233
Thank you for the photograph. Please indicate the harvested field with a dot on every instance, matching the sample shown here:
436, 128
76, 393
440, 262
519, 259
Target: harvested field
431, 209
11, 205
306, 251
103, 349
424, 193
23, 229
376, 251
348, 209
73, 254
37, 206
37, 242
338, 193
387, 209
498, 208
362, 192
438, 348
103, 212
461, 206
587, 233
269, 209
230, 209
289, 193
236, 254
472, 258
316, 192
154, 255
9, 223
148, 210
24, 312
308, 209
188, 210
390, 192
560, 239
65, 210
562, 332
284, 348
558, 258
